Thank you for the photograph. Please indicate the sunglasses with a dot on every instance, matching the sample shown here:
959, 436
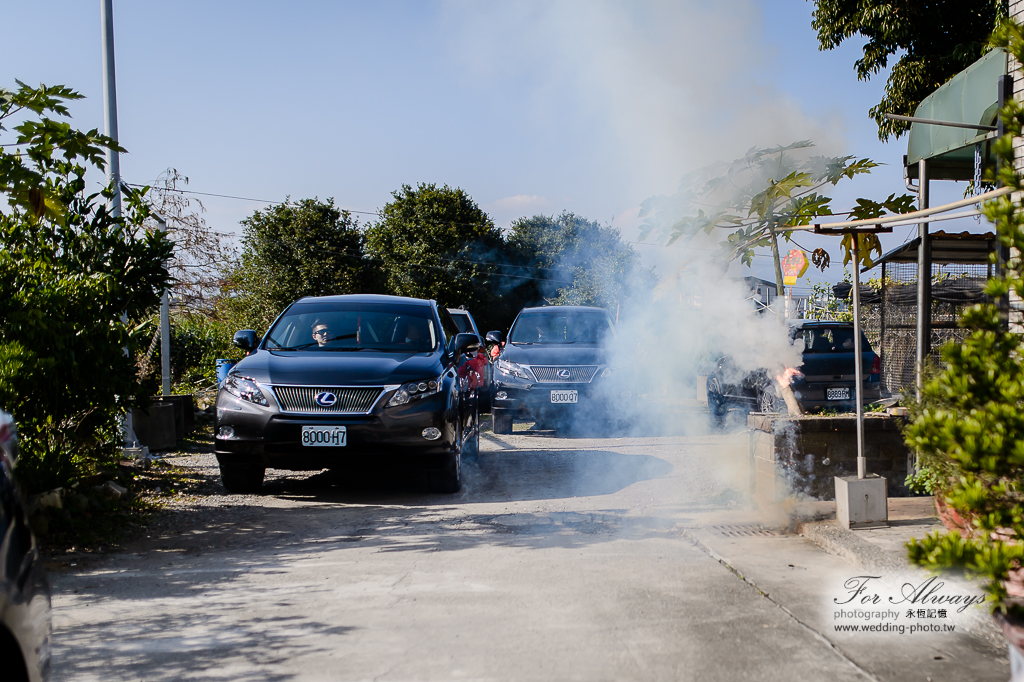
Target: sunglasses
317, 332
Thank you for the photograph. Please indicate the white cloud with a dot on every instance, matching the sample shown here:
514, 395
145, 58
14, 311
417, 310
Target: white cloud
519, 202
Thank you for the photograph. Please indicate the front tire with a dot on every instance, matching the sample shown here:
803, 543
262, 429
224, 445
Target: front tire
717, 404
448, 479
242, 478
501, 421
471, 450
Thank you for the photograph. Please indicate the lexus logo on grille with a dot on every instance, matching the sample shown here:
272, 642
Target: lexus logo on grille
563, 374
325, 399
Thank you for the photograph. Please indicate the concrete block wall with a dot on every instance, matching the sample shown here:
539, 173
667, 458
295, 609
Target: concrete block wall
802, 455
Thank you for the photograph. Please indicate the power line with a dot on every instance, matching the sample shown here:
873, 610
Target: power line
229, 196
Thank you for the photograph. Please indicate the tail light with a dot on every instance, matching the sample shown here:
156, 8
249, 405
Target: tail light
876, 366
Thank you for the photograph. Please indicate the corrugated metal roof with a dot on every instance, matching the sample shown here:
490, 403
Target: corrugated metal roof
965, 247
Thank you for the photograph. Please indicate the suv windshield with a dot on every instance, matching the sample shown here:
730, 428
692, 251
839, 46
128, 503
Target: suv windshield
561, 327
830, 340
326, 327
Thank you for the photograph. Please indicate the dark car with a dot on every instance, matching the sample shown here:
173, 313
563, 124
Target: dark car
24, 591
550, 368
467, 325
826, 377
339, 379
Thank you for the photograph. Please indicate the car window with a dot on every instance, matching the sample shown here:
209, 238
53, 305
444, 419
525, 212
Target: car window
831, 340
323, 327
462, 321
561, 327
448, 326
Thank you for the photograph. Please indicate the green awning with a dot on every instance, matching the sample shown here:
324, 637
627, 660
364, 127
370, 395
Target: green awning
969, 97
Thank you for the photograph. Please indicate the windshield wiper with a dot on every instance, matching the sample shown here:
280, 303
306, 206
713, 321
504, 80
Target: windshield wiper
376, 350
300, 347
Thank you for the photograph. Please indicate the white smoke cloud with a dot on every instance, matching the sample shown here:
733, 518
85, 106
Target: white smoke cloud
674, 84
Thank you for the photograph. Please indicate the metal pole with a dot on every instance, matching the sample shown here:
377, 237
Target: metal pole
882, 354
858, 359
924, 280
113, 161
165, 330
110, 103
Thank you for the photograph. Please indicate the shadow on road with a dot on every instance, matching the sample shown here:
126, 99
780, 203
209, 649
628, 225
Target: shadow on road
497, 476
219, 642
146, 598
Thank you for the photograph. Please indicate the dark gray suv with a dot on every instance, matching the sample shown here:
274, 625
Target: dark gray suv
550, 368
339, 379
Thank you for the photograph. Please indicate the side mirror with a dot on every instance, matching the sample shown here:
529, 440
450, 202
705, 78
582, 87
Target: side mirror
465, 342
495, 337
246, 339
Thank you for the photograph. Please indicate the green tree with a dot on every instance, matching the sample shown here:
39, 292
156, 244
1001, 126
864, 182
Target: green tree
69, 269
937, 39
436, 243
969, 426
291, 250
760, 196
575, 261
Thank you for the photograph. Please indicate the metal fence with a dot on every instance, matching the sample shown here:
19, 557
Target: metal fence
889, 315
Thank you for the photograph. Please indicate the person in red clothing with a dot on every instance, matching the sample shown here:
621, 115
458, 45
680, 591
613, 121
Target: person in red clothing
473, 369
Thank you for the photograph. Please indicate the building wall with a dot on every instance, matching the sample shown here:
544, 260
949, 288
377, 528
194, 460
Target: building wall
1017, 12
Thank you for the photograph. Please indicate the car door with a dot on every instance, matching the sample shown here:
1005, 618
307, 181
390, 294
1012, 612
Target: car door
466, 408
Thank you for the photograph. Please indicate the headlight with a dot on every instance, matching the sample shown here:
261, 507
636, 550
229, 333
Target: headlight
607, 372
513, 369
414, 390
245, 388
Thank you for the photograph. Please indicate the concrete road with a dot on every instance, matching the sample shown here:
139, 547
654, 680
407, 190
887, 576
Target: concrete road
562, 559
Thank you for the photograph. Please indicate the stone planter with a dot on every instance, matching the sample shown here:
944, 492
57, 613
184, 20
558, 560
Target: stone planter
802, 455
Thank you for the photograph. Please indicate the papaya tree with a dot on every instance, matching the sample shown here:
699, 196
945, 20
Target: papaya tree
761, 196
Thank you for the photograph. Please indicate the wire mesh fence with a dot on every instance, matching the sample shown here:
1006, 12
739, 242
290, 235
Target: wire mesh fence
889, 315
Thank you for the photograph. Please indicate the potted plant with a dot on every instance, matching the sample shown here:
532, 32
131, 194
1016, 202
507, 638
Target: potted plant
969, 424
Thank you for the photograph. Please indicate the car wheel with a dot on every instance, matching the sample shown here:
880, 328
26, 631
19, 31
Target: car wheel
501, 421
471, 450
449, 478
768, 399
242, 478
717, 404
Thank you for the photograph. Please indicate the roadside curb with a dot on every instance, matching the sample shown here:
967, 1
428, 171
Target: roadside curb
835, 539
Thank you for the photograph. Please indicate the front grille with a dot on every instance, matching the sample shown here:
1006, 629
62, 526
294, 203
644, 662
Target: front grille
577, 375
349, 400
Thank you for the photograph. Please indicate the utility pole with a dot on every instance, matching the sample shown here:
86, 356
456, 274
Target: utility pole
113, 161
165, 329
110, 103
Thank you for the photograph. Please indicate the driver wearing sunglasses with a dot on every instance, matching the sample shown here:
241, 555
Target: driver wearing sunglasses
321, 334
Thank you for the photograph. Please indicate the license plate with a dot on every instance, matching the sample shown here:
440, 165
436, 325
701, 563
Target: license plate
565, 397
324, 436
837, 393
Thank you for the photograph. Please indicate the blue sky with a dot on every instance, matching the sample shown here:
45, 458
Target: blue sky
588, 106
